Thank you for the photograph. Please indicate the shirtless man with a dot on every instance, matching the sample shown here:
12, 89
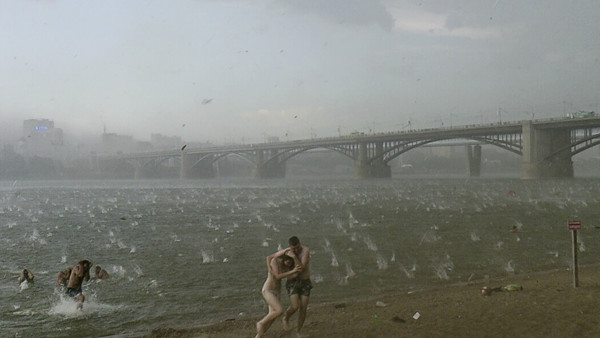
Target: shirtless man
62, 277
100, 273
298, 288
25, 275
80, 272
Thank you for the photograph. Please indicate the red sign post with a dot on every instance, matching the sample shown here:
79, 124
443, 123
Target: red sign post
573, 227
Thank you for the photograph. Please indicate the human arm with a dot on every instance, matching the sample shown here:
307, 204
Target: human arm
60, 277
86, 271
278, 275
275, 255
304, 259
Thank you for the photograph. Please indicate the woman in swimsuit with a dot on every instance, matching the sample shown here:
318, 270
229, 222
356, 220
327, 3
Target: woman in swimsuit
280, 265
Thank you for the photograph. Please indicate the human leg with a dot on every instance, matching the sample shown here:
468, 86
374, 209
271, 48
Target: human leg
294, 303
302, 313
275, 310
80, 299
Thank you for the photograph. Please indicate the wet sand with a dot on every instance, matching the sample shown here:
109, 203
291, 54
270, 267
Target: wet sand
548, 305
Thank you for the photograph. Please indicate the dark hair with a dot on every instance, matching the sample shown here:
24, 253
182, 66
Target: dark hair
293, 241
286, 258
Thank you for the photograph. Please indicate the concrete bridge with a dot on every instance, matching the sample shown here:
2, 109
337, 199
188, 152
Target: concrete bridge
545, 146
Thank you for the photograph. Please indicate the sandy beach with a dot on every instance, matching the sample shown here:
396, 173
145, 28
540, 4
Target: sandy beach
547, 305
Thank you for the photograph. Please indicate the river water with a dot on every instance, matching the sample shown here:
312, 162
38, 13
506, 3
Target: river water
187, 253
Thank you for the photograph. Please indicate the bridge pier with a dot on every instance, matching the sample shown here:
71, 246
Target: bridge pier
474, 160
184, 166
270, 169
373, 169
538, 146
195, 167
137, 173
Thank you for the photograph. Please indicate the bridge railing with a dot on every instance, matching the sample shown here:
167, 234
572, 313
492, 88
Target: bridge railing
353, 137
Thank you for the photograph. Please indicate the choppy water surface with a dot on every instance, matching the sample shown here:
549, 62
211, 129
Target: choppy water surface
186, 253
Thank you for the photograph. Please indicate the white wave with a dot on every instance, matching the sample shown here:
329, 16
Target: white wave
67, 307
440, 271
349, 271
334, 261
370, 244
207, 257
430, 237
138, 270
581, 245
118, 270
442, 268
24, 285
509, 266
381, 263
26, 312
409, 273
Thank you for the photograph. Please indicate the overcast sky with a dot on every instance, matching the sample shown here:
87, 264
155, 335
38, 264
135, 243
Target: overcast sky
242, 70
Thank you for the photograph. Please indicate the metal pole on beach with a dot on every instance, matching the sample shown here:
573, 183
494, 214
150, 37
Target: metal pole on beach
575, 267
573, 226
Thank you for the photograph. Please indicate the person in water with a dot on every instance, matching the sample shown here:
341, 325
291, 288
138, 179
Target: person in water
62, 277
25, 275
79, 273
280, 265
299, 286
100, 273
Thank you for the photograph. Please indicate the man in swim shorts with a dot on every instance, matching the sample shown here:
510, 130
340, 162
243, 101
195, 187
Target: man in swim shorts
299, 287
79, 273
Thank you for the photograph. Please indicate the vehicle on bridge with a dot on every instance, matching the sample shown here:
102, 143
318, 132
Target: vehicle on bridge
581, 114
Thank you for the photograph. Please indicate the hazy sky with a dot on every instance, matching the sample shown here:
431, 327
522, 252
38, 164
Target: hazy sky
242, 70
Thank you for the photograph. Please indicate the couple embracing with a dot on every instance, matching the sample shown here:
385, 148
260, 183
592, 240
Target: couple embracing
291, 263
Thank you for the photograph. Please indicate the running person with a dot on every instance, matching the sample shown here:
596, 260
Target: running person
79, 273
299, 287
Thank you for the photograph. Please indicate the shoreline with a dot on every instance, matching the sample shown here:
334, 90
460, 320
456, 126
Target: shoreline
548, 305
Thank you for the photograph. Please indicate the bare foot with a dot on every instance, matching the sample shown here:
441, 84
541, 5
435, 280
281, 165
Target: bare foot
286, 323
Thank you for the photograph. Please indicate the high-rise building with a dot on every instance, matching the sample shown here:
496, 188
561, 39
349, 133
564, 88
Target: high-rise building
41, 139
42, 131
